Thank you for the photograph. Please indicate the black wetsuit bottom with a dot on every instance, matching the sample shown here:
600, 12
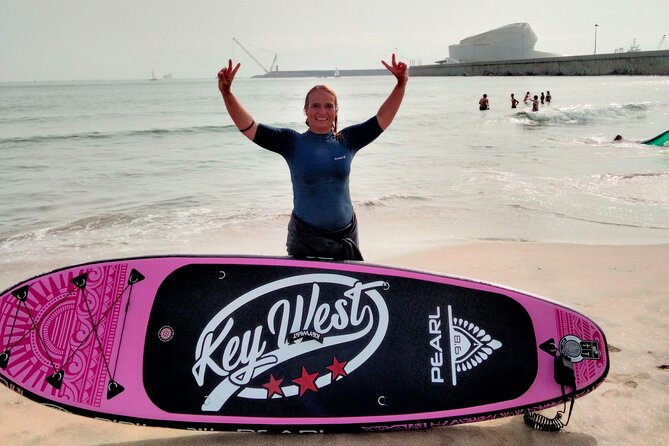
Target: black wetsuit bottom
306, 242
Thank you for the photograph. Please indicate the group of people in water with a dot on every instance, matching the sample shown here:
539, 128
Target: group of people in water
484, 102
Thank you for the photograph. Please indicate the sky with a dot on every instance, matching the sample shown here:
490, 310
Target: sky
128, 39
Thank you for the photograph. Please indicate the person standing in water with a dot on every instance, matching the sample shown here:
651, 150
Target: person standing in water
535, 103
514, 101
323, 223
483, 103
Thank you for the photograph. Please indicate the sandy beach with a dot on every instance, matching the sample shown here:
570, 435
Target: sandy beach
623, 288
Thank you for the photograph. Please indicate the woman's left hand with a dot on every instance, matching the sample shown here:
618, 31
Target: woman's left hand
399, 70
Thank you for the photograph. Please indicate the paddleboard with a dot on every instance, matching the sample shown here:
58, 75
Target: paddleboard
264, 344
660, 140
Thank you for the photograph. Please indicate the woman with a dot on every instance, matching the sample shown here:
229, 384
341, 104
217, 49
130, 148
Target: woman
323, 223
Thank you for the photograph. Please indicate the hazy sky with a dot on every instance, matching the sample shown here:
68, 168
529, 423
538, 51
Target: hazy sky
127, 39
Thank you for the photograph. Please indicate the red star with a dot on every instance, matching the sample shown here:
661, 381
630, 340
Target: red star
273, 387
306, 381
337, 369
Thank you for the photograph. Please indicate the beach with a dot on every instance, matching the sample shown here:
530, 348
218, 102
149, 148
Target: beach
543, 202
144, 275
623, 288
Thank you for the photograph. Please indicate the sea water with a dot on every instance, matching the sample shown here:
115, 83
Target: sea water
99, 169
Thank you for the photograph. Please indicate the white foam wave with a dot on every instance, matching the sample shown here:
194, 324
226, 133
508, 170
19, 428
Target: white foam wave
577, 114
649, 188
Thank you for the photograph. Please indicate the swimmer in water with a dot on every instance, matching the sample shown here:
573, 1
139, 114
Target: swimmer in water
483, 103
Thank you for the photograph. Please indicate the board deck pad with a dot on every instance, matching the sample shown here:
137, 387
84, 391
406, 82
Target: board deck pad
275, 344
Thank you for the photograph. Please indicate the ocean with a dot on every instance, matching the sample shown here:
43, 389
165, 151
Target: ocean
106, 169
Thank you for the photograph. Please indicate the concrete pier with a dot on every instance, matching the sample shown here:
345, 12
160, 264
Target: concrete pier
632, 63
323, 73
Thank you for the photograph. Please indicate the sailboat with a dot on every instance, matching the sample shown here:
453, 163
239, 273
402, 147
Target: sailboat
153, 76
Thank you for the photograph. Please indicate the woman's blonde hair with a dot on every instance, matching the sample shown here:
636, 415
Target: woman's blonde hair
332, 92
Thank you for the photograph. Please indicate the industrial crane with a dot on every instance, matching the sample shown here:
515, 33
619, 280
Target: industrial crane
254, 59
659, 46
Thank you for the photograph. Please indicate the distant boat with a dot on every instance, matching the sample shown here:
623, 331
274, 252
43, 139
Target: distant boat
153, 76
336, 72
167, 76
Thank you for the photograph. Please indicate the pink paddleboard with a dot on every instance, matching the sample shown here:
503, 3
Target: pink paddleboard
281, 345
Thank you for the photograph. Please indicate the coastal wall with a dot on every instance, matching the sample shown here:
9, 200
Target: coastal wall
633, 63
323, 73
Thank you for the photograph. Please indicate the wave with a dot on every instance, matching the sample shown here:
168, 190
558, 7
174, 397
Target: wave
643, 188
118, 135
590, 220
171, 219
646, 188
579, 114
168, 219
630, 176
388, 199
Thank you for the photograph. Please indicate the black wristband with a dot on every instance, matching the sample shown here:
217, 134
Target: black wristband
250, 125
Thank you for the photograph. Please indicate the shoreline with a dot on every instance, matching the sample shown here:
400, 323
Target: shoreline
623, 288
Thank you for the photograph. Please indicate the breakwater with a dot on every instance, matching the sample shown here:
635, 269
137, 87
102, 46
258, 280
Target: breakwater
632, 63
323, 73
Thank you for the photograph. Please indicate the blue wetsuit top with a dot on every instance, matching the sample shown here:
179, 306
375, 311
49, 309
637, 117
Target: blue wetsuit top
320, 166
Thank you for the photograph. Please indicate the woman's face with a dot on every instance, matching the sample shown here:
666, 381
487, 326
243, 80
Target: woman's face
321, 111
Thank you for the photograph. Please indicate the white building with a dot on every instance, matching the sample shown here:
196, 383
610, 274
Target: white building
514, 41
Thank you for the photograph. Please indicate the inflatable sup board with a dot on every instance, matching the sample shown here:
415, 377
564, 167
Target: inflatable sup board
269, 344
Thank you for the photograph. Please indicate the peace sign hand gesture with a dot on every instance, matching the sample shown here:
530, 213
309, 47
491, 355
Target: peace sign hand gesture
226, 76
398, 69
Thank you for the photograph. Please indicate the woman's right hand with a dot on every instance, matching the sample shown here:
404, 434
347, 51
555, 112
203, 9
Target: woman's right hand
225, 77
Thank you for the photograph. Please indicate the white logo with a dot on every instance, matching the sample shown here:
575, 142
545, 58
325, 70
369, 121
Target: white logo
239, 358
470, 345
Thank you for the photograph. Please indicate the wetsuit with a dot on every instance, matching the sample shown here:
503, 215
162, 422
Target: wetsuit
320, 166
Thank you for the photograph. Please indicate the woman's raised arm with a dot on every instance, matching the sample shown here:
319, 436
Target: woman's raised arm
389, 108
242, 119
